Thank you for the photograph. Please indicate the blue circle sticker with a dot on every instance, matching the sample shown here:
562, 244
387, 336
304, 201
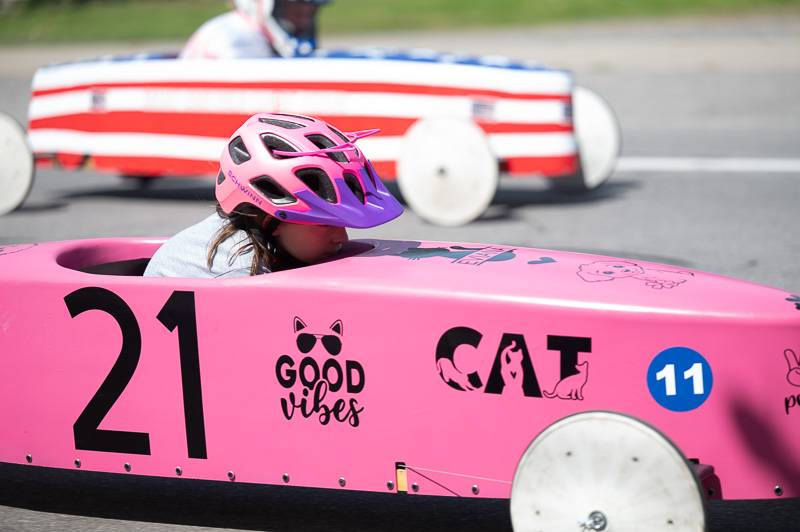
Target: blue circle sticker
679, 379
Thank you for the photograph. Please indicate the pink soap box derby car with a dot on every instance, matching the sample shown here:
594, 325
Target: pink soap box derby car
594, 393
451, 124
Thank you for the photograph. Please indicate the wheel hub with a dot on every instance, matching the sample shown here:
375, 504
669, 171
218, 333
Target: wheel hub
597, 521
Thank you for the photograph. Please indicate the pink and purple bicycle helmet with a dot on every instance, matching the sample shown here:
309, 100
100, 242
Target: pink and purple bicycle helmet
303, 170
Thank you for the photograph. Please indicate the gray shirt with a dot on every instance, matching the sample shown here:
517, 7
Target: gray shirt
186, 253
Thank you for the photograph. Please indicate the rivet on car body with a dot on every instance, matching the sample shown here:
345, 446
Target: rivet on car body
778, 490
77, 462
415, 487
231, 476
390, 485
127, 467
475, 489
342, 481
178, 471
285, 478
29, 458
597, 521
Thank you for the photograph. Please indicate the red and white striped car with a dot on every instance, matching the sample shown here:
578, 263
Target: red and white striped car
450, 125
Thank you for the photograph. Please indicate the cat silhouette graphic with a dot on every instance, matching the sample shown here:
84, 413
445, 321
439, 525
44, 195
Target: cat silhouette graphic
571, 387
511, 369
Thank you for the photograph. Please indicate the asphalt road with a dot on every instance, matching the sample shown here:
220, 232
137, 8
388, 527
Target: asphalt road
713, 89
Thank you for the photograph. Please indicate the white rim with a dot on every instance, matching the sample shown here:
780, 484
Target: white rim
598, 136
446, 171
605, 471
16, 169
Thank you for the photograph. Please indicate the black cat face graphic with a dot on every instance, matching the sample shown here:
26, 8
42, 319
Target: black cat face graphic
332, 343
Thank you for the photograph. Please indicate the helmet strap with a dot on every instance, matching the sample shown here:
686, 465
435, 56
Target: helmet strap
269, 228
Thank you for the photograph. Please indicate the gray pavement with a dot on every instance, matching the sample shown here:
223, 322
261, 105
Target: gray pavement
711, 87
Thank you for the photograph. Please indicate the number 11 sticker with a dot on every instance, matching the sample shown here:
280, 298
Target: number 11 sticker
679, 379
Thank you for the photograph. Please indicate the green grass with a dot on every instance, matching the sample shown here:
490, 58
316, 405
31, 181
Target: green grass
132, 20
107, 21
382, 15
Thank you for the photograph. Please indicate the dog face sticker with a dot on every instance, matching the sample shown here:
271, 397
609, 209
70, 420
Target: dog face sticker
611, 270
608, 270
321, 384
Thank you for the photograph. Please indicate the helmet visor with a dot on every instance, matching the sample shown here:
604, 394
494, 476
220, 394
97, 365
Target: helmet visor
297, 18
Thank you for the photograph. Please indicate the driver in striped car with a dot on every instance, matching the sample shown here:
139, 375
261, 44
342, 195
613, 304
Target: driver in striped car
258, 28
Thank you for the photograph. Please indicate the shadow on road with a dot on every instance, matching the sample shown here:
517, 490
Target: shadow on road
39, 207
514, 195
509, 196
162, 189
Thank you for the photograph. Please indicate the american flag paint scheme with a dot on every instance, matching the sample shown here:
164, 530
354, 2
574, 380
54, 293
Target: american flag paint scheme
155, 115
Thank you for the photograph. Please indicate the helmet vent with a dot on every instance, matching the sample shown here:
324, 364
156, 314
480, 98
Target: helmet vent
354, 185
220, 177
371, 174
238, 151
338, 134
301, 117
322, 142
273, 142
272, 190
318, 181
285, 124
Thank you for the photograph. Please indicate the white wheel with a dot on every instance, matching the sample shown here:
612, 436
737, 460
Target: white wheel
16, 164
598, 136
447, 172
604, 471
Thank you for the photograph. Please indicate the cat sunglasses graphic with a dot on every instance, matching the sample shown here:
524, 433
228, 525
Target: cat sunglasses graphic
307, 341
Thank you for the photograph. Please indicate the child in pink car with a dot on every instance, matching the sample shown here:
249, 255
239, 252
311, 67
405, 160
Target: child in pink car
287, 188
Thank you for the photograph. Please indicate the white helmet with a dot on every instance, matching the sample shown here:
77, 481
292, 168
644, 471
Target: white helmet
284, 36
